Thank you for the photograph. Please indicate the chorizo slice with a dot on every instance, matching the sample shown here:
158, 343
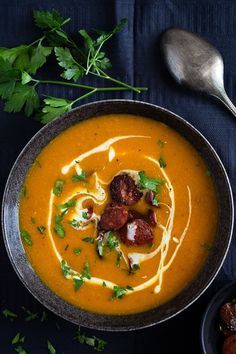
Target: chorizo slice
113, 218
229, 346
123, 190
228, 315
136, 232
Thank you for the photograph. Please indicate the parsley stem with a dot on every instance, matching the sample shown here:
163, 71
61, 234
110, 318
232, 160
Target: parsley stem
107, 77
85, 95
118, 88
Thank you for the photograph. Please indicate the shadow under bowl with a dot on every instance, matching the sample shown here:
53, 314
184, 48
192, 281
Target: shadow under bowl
10, 218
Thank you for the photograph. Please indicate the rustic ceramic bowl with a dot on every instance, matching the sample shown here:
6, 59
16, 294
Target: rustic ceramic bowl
27, 274
211, 337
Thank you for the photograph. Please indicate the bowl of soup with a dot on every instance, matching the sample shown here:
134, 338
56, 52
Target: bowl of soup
117, 215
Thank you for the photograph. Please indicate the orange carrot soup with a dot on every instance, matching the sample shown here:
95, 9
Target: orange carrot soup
118, 214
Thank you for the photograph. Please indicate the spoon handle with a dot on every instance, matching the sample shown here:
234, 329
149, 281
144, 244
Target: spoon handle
223, 97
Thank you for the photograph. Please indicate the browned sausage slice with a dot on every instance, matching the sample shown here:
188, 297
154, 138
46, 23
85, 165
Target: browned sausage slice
136, 232
133, 214
228, 315
151, 218
113, 218
123, 190
229, 346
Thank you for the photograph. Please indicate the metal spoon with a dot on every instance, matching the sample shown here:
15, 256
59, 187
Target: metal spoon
195, 63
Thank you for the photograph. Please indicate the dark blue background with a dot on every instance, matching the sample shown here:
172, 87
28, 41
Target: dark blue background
136, 58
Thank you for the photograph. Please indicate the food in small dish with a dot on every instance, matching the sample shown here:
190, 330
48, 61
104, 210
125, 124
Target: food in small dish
228, 326
118, 214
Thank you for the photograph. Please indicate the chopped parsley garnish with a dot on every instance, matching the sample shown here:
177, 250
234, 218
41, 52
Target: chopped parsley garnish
41, 229
104, 284
85, 215
26, 237
59, 229
80, 177
20, 350
149, 183
51, 348
162, 162
18, 339
208, 173
77, 251
134, 268
161, 143
112, 243
9, 314
118, 258
206, 246
128, 287
33, 220
30, 316
74, 223
58, 187
89, 239
67, 205
86, 272
67, 246
23, 191
78, 282
118, 292
65, 269
97, 343
77, 161
155, 200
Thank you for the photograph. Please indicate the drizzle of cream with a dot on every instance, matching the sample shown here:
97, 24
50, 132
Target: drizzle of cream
99, 197
102, 147
111, 154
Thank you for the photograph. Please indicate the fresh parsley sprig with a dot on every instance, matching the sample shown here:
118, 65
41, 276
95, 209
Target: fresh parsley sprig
18, 65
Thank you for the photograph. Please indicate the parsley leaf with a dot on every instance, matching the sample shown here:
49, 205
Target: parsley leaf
26, 237
80, 177
30, 316
149, 183
18, 339
51, 349
20, 350
65, 59
89, 239
58, 187
95, 342
206, 246
53, 108
67, 205
86, 272
38, 57
77, 251
23, 96
9, 314
49, 19
162, 162
118, 292
65, 269
59, 229
161, 143
78, 282
41, 229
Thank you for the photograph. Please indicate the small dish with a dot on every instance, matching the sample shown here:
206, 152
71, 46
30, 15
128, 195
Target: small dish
211, 338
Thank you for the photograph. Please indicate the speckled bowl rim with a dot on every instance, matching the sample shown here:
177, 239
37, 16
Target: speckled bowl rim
24, 270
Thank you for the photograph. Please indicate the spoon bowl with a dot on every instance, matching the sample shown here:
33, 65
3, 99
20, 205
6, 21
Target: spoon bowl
195, 63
